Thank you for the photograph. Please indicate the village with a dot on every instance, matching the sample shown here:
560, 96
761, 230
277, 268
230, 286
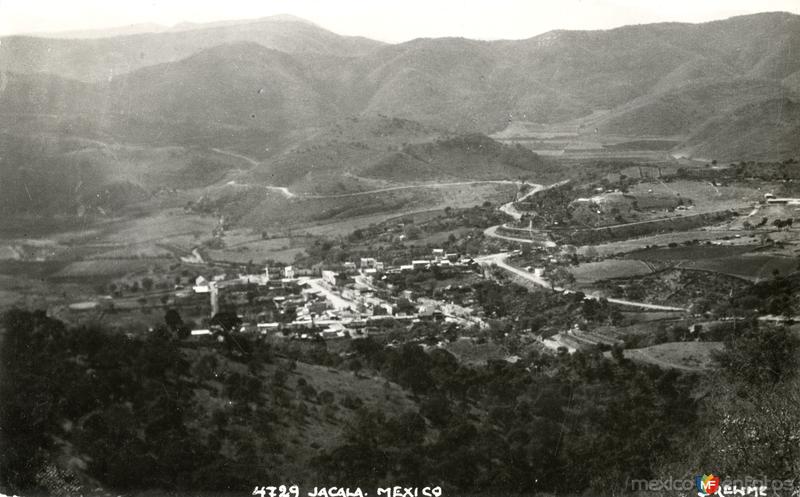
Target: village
335, 303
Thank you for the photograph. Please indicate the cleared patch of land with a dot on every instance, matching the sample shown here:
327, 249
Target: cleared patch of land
590, 272
477, 354
645, 242
754, 267
675, 287
691, 252
687, 356
107, 267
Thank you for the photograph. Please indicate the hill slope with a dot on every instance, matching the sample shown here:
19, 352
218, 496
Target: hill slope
104, 58
685, 73
763, 130
276, 89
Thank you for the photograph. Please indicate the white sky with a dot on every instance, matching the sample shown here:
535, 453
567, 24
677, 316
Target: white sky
387, 20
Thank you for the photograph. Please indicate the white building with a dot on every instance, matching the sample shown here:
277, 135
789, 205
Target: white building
201, 285
329, 277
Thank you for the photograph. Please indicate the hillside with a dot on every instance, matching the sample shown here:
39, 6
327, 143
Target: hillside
290, 104
395, 166
473, 156
91, 410
331, 159
758, 131
242, 84
275, 76
102, 59
684, 109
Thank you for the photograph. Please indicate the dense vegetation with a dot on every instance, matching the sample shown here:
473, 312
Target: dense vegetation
120, 410
82, 407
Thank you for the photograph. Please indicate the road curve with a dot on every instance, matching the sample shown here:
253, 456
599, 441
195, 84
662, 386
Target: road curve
500, 261
491, 231
510, 209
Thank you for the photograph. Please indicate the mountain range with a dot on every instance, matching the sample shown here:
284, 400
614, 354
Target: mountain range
726, 89
287, 73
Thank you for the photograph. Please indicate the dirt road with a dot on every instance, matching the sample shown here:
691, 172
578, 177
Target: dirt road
500, 261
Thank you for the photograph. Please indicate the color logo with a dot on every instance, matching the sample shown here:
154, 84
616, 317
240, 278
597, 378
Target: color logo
707, 485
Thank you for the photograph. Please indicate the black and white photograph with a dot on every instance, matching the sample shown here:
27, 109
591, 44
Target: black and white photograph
419, 248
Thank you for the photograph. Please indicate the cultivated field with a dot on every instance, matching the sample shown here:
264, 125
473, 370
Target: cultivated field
108, 267
590, 272
702, 235
754, 267
691, 252
704, 195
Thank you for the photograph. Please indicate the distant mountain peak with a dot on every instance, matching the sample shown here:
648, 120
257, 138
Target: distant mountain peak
277, 18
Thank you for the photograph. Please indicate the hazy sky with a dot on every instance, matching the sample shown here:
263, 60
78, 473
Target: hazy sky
393, 20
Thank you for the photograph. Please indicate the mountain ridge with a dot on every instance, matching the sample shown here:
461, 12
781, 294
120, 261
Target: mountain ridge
264, 87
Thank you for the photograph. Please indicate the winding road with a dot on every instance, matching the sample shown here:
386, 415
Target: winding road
491, 231
499, 260
510, 209
289, 194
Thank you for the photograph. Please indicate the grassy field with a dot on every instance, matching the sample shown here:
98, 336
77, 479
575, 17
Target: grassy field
687, 356
702, 235
256, 254
476, 354
691, 252
742, 261
754, 267
108, 267
590, 272
135, 251
36, 293
705, 196
163, 226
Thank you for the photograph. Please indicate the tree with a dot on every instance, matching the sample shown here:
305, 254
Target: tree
355, 366
561, 277
760, 356
227, 320
412, 232
173, 320
437, 409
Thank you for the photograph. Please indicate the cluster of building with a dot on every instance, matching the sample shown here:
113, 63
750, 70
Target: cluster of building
341, 303
438, 259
